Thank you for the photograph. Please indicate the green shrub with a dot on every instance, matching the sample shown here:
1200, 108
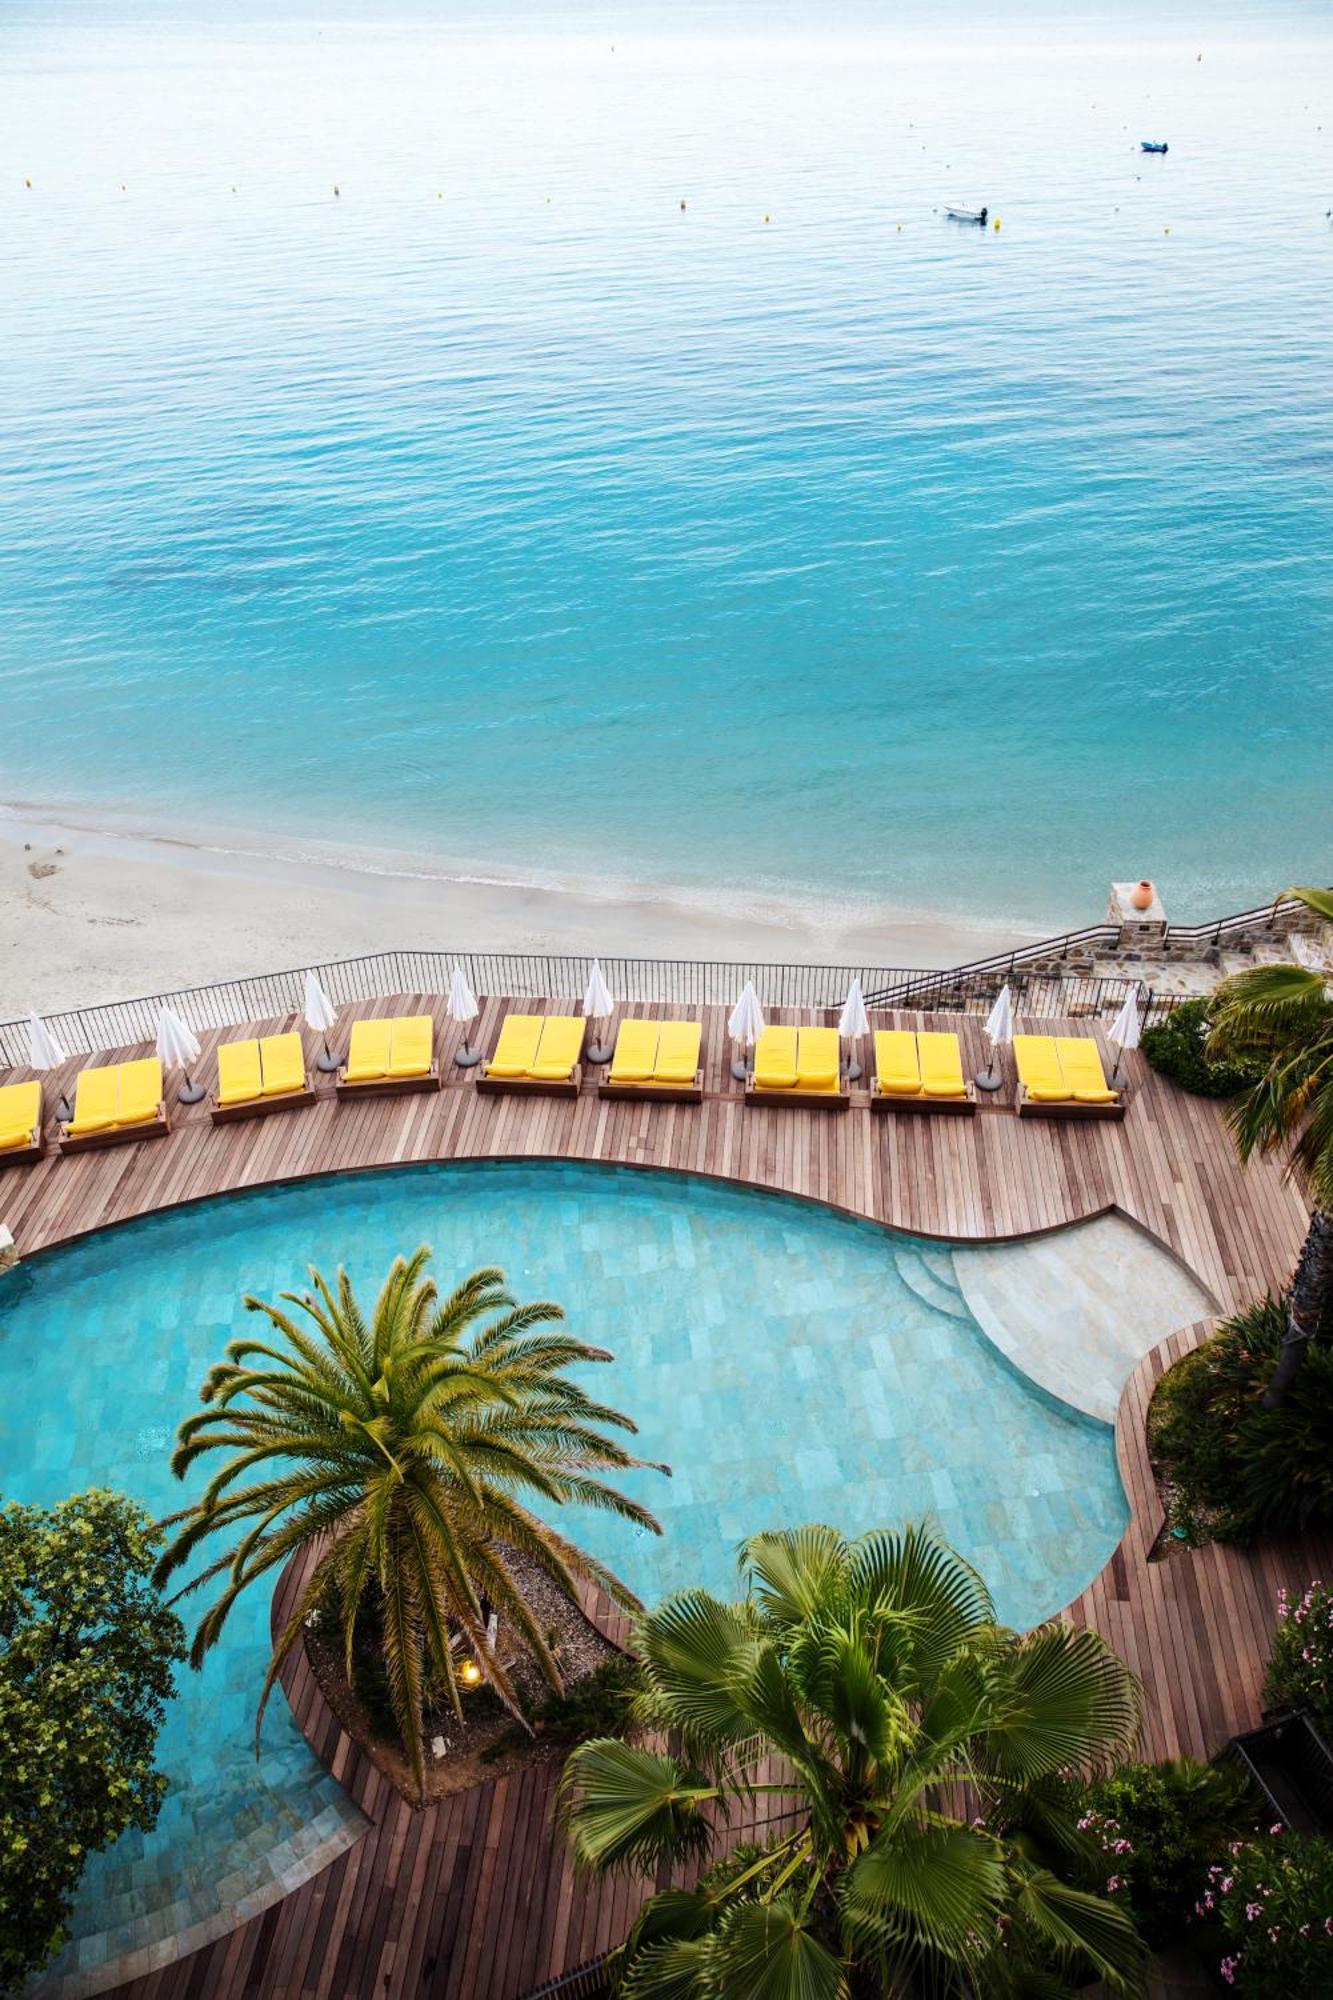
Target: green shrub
1239, 1470
1300, 1667
593, 1706
1177, 1047
1268, 1907
1158, 1826
87, 1649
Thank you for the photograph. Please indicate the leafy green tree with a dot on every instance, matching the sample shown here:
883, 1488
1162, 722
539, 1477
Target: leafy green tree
86, 1656
1284, 1014
875, 1672
402, 1447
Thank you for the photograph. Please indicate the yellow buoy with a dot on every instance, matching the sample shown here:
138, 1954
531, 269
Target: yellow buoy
900, 229
1166, 232
997, 222
27, 183
682, 204
768, 218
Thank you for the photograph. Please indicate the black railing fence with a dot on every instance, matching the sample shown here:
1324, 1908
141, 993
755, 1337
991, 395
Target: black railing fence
585, 1982
683, 982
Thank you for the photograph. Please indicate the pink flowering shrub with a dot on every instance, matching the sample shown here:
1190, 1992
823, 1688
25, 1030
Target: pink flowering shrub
1270, 1903
1300, 1667
1152, 1830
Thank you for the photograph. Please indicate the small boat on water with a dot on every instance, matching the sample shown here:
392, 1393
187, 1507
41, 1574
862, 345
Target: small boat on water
968, 215
1153, 146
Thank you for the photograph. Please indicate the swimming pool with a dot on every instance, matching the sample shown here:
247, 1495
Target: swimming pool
789, 1363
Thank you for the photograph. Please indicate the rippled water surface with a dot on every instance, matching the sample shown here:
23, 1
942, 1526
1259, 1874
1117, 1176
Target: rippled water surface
629, 468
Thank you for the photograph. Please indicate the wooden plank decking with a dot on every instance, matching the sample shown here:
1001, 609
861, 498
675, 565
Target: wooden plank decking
474, 1898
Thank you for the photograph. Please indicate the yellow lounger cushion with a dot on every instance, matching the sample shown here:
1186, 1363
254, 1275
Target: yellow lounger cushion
941, 1065
516, 1050
1039, 1069
140, 1091
368, 1052
678, 1052
560, 1047
413, 1045
817, 1059
96, 1100
284, 1064
636, 1052
775, 1059
1081, 1065
20, 1113
239, 1078
897, 1064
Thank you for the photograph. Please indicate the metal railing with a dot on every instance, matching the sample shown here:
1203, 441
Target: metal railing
687, 983
1106, 937
583, 1982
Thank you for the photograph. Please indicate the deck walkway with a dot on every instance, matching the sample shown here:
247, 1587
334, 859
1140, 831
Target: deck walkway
474, 1898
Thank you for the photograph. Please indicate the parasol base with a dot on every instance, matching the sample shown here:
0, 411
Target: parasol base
466, 1058
190, 1093
990, 1079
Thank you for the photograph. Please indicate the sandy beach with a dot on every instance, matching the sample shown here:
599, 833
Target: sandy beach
87, 916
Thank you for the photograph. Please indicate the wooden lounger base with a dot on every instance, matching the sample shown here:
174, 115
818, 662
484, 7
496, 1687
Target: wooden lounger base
259, 1107
392, 1086
1028, 1107
956, 1107
23, 1156
656, 1093
804, 1100
531, 1086
117, 1135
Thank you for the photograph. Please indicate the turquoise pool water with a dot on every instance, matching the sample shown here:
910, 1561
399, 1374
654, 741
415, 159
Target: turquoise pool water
503, 509
789, 1363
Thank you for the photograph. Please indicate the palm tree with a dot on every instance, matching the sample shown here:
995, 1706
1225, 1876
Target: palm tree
403, 1449
876, 1672
1284, 1014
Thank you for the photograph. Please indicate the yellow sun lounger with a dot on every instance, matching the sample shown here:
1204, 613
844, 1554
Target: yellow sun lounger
115, 1103
20, 1123
537, 1054
390, 1058
920, 1072
256, 1077
1061, 1076
656, 1059
798, 1066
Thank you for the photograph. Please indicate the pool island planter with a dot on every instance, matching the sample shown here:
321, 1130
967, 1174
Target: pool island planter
391, 1086
1031, 1107
260, 1107
116, 1135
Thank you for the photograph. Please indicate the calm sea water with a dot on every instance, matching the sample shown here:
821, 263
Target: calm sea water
501, 508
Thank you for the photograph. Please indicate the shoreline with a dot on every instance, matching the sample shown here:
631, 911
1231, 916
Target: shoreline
89, 916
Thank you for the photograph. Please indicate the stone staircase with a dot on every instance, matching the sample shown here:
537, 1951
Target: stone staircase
930, 1273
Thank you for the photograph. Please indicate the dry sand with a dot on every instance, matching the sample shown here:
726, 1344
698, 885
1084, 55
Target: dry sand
87, 917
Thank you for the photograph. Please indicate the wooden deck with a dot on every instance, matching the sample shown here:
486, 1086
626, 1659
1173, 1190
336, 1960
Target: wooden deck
474, 1897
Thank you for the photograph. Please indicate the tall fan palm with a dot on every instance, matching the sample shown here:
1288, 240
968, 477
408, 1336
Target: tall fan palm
1284, 1014
874, 1669
404, 1449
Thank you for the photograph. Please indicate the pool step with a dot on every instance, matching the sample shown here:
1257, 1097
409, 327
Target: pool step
931, 1275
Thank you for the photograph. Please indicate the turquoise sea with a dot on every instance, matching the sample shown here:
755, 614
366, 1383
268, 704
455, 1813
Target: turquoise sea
557, 441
